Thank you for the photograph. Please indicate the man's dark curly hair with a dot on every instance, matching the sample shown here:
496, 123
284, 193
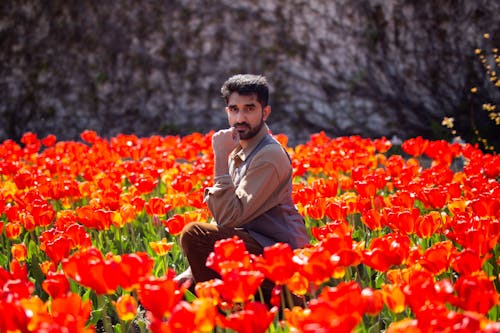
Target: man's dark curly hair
247, 84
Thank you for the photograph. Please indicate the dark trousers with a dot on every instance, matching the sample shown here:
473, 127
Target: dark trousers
197, 241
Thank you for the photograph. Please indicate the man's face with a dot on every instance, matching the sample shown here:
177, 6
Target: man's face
245, 113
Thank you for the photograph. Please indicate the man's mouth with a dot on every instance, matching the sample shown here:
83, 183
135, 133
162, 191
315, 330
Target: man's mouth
241, 127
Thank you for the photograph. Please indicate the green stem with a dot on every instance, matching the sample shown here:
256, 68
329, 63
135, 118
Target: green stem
102, 304
131, 231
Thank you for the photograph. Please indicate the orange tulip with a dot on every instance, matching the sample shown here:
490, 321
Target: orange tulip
316, 209
394, 297
162, 247
13, 230
406, 325
126, 307
19, 252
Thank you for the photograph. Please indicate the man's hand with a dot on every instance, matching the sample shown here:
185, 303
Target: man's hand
223, 143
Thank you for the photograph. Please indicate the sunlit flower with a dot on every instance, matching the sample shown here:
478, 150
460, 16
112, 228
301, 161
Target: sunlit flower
162, 247
19, 252
448, 122
126, 307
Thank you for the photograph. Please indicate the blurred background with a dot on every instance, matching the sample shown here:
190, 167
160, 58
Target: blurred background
393, 68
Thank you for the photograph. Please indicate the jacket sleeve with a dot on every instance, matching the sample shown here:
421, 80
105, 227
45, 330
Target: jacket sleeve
256, 193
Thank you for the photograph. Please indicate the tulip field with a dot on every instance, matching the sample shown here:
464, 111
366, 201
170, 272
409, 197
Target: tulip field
402, 238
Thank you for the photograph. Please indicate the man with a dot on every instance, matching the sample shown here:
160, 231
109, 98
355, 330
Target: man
252, 192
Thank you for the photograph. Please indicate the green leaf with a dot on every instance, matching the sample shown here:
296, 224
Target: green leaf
190, 297
95, 316
118, 328
379, 280
4, 260
86, 294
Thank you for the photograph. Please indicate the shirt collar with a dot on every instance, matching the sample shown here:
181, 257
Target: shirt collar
252, 144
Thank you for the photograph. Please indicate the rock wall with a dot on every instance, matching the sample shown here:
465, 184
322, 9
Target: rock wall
367, 67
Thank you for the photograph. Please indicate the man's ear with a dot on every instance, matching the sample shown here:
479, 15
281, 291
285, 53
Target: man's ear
266, 112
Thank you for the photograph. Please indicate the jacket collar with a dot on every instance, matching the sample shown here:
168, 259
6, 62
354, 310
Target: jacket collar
252, 143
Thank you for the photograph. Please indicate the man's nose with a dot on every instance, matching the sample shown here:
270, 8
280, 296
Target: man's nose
240, 116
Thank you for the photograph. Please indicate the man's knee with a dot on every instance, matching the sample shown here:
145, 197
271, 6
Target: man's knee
188, 234
195, 234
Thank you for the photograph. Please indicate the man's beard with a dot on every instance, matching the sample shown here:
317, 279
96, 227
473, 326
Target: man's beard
251, 131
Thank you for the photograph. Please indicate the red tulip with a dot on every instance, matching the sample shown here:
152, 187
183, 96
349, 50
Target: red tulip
56, 284
372, 219
386, 251
382, 144
415, 146
239, 286
160, 295
436, 259
276, 263
157, 206
105, 275
49, 140
229, 254
16, 281
467, 262
254, 318
476, 293
71, 312
175, 224
429, 224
